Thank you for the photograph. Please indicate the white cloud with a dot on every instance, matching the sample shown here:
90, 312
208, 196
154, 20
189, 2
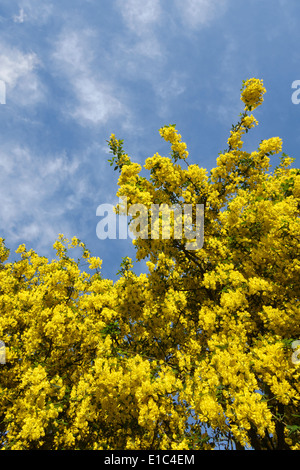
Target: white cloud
138, 15
198, 13
173, 86
33, 11
95, 98
141, 20
169, 89
15, 64
29, 186
21, 17
73, 51
18, 72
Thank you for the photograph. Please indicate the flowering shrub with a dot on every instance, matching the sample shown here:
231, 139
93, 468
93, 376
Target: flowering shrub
195, 353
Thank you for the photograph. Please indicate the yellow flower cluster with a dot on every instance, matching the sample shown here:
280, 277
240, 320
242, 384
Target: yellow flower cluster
235, 140
252, 93
271, 145
170, 134
166, 173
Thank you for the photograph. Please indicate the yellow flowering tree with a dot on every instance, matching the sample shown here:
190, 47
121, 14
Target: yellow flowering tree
194, 354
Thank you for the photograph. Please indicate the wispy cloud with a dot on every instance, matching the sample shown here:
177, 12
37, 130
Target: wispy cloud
33, 11
15, 64
19, 72
20, 17
38, 193
142, 21
95, 98
140, 16
169, 89
198, 13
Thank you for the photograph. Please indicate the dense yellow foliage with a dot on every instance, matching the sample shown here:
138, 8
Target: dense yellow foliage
195, 353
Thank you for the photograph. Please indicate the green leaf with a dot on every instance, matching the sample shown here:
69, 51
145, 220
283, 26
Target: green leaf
293, 428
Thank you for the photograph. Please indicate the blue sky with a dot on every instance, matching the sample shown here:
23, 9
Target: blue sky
76, 71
